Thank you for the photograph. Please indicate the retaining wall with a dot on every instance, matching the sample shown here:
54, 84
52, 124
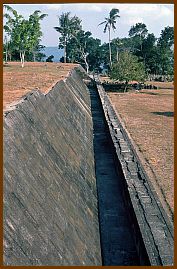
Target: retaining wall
50, 198
149, 220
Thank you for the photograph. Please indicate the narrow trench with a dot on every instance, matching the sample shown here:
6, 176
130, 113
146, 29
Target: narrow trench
118, 242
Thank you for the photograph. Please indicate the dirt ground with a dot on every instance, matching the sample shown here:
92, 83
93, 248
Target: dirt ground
18, 81
161, 85
148, 116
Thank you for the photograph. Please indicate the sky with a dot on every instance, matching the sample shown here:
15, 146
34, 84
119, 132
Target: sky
155, 16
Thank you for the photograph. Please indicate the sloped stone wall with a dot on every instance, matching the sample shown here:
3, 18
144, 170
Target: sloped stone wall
50, 198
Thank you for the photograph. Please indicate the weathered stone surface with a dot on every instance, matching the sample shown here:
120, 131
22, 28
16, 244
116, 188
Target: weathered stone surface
50, 198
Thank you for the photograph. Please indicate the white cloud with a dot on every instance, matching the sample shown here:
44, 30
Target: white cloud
130, 11
146, 13
53, 6
165, 11
88, 7
155, 16
77, 7
133, 20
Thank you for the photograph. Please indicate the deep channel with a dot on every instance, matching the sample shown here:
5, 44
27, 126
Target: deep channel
120, 244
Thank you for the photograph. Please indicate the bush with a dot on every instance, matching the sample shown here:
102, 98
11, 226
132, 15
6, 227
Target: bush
128, 68
50, 59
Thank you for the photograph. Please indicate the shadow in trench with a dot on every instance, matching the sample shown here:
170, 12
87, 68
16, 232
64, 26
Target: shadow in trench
166, 113
116, 228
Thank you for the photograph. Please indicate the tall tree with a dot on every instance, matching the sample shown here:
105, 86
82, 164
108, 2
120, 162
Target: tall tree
165, 51
68, 27
21, 39
6, 48
121, 44
84, 49
167, 37
110, 24
138, 32
11, 19
128, 68
24, 34
35, 31
117, 44
149, 50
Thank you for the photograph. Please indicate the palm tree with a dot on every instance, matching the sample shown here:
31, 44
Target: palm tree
36, 33
12, 18
110, 23
67, 28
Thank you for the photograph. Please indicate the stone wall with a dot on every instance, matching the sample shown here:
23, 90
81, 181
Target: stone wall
50, 198
152, 227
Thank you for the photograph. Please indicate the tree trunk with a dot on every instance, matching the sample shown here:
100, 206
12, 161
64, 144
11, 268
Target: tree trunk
110, 58
65, 51
6, 43
6, 55
22, 58
117, 55
87, 66
141, 44
10, 57
84, 55
34, 56
126, 84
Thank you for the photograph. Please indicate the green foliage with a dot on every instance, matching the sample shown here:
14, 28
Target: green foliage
139, 29
24, 35
137, 33
68, 28
154, 55
111, 20
167, 37
128, 68
84, 49
165, 51
20, 36
35, 32
50, 59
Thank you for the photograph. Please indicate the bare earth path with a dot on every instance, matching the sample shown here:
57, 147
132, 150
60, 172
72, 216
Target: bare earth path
149, 118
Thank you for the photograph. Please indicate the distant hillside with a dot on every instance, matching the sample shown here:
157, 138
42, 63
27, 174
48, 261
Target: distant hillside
57, 53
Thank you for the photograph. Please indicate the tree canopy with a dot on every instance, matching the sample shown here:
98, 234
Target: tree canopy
128, 68
22, 40
24, 34
68, 28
